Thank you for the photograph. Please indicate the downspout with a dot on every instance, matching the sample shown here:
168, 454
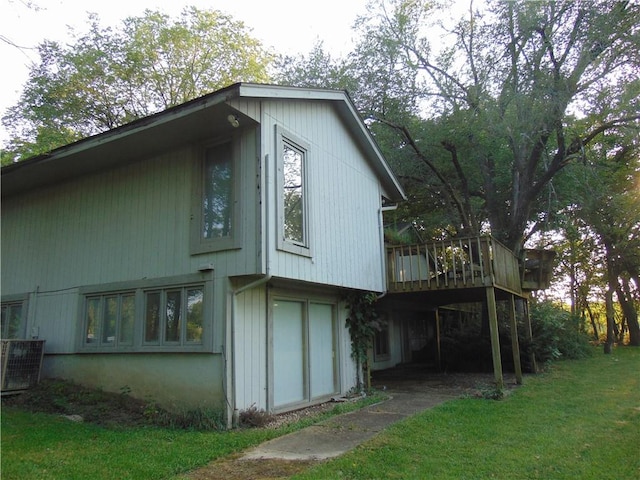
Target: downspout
384, 250
256, 283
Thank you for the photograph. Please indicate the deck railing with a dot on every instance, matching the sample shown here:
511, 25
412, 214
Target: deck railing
451, 264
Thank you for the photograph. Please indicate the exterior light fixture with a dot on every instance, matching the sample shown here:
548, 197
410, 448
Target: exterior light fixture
233, 121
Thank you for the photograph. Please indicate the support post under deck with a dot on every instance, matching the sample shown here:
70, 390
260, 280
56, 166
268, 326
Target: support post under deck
515, 345
495, 339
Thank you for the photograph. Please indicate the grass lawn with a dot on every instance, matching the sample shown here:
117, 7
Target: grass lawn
581, 420
45, 446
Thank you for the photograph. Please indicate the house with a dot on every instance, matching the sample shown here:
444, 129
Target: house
199, 257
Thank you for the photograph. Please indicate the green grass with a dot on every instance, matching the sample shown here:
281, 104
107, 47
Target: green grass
45, 446
579, 421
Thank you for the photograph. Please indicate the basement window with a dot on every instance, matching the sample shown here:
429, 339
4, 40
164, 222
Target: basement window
148, 316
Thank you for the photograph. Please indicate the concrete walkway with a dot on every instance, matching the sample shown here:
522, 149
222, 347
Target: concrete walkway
288, 455
342, 433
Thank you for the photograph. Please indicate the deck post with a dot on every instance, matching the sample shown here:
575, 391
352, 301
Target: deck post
515, 345
495, 338
527, 322
438, 339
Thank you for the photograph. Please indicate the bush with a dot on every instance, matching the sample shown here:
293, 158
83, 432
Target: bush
557, 334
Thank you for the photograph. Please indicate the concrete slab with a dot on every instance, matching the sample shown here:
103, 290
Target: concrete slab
340, 434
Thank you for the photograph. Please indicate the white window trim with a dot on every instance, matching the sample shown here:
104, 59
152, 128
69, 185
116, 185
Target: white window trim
283, 243
197, 242
140, 288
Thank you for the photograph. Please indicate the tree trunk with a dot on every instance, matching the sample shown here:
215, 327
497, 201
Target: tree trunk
608, 345
630, 313
608, 298
594, 325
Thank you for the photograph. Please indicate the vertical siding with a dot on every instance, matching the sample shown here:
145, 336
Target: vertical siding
344, 200
250, 349
125, 224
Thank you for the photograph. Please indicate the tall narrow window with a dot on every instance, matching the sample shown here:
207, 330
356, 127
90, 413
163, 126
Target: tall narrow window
194, 315
293, 194
217, 198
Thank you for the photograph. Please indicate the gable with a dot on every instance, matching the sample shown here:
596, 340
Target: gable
194, 121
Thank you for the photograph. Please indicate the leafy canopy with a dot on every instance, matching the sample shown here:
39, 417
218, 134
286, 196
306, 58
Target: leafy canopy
108, 77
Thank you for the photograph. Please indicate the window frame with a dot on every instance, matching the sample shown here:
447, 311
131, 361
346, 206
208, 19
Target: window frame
303, 248
140, 289
13, 301
200, 244
100, 321
382, 338
162, 340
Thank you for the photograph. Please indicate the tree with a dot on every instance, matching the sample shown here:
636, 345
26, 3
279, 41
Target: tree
489, 119
109, 77
610, 206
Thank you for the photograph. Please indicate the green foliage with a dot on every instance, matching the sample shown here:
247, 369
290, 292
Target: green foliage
557, 334
363, 321
478, 136
197, 419
109, 77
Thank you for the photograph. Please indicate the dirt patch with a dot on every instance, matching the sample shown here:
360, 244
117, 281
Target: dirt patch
242, 469
79, 403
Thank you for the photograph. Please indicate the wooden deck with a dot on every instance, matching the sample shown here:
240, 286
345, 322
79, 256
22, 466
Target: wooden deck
461, 263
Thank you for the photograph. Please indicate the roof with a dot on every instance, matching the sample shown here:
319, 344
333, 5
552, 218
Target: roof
189, 122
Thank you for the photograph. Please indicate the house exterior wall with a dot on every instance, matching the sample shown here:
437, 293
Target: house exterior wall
127, 226
395, 346
132, 226
124, 225
187, 381
344, 198
253, 343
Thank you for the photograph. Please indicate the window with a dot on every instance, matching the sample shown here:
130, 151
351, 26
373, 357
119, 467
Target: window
217, 198
293, 193
147, 315
293, 208
13, 320
215, 208
109, 319
174, 316
381, 344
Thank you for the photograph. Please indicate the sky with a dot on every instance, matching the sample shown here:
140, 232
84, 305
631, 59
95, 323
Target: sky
287, 26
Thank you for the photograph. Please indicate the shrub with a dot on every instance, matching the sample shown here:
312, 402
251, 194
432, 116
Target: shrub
557, 334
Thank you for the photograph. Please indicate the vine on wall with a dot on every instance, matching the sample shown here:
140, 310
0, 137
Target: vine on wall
363, 322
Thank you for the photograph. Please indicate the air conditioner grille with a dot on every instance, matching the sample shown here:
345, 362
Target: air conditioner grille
21, 363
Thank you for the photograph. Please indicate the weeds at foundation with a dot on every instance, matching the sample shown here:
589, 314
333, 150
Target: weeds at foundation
113, 410
253, 417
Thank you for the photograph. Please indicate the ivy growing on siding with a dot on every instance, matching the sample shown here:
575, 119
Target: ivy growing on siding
363, 322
